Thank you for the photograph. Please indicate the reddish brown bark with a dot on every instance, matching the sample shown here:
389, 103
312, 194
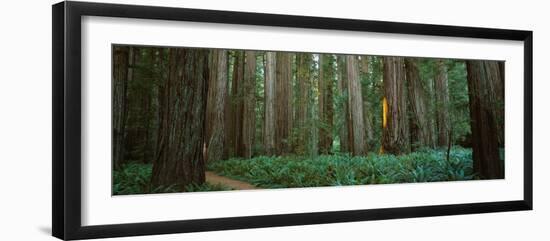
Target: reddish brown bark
248, 128
484, 117
182, 129
236, 106
395, 134
215, 145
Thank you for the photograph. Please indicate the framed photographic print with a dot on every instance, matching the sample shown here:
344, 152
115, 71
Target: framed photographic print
169, 120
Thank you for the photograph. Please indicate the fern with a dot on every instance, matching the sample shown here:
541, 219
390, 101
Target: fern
341, 169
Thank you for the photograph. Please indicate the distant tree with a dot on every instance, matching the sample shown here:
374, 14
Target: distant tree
180, 159
420, 125
367, 115
326, 109
150, 110
248, 126
269, 116
303, 76
142, 106
358, 145
283, 98
442, 104
122, 73
343, 104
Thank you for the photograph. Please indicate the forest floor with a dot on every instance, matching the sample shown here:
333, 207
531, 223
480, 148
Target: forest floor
262, 172
426, 165
216, 179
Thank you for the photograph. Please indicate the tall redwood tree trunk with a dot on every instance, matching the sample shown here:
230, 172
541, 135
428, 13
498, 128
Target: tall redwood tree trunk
248, 127
395, 134
182, 129
497, 82
484, 111
215, 146
236, 106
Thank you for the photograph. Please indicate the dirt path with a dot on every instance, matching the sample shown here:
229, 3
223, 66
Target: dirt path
214, 178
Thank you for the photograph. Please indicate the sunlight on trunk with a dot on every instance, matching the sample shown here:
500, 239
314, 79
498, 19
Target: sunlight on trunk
384, 119
384, 112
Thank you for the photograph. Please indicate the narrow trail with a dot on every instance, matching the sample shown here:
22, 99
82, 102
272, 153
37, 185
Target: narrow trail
214, 178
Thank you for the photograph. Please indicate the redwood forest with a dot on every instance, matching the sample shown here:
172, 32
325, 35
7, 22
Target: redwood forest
198, 119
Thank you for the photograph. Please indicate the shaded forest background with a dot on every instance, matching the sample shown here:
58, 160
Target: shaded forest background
177, 112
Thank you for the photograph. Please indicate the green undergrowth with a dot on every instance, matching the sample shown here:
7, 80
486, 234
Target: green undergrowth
134, 178
427, 165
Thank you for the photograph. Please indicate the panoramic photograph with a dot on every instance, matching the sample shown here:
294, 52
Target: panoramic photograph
204, 119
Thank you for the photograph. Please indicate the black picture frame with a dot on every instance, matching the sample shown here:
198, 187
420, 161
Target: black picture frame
67, 135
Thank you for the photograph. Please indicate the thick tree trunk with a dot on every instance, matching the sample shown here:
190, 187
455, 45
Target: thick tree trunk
183, 105
395, 134
269, 116
442, 104
283, 98
420, 128
122, 74
358, 145
303, 62
497, 82
215, 146
484, 111
343, 107
248, 128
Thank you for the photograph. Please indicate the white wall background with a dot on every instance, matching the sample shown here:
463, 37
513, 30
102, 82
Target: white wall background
25, 119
